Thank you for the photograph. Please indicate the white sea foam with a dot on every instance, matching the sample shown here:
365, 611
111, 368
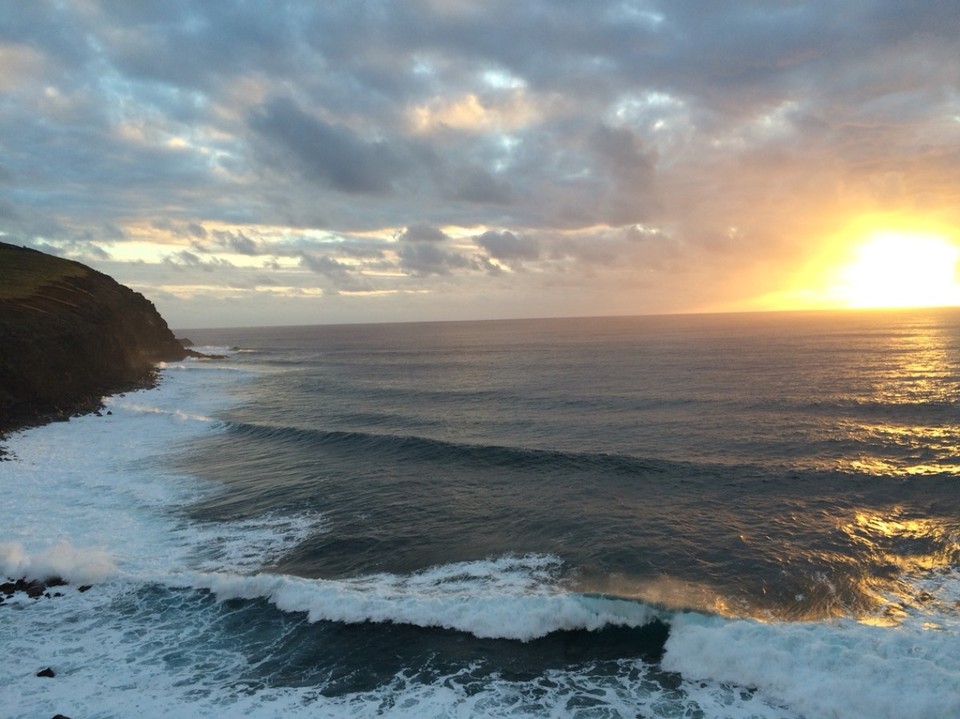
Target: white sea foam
842, 668
77, 565
245, 545
99, 482
504, 598
169, 657
98, 490
558, 694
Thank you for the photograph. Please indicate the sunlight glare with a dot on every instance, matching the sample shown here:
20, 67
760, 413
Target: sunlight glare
901, 269
875, 262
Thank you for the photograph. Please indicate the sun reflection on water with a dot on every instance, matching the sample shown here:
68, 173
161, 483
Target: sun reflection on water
920, 370
905, 414
903, 450
902, 554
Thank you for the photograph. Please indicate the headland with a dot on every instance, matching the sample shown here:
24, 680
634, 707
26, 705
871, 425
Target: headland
69, 336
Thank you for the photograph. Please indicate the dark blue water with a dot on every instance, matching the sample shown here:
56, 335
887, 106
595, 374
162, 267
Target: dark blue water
732, 515
727, 451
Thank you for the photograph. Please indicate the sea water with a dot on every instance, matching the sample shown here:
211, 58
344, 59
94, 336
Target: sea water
699, 516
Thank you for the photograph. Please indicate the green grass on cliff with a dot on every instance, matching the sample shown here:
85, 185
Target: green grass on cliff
23, 272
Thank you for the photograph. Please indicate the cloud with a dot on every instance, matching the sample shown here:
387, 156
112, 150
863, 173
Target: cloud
187, 259
324, 264
8, 210
237, 242
421, 252
422, 232
476, 184
630, 194
331, 154
234, 130
498, 112
508, 247
422, 259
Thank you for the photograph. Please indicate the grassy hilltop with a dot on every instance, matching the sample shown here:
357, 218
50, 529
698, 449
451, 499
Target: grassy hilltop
70, 335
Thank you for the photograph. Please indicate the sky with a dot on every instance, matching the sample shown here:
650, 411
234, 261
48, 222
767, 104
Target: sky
301, 162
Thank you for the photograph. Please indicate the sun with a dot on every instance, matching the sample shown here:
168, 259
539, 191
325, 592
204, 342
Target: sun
874, 261
899, 268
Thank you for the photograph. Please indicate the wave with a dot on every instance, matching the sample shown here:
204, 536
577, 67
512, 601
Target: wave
409, 447
72, 564
721, 666
504, 598
183, 652
899, 409
880, 449
841, 669
515, 598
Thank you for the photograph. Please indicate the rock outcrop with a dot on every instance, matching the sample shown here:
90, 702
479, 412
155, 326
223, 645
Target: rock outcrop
70, 335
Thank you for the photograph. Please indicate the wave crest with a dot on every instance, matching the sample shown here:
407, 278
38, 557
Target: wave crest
505, 598
75, 565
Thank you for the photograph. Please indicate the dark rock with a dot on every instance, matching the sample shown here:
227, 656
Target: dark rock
48, 672
33, 588
185, 342
84, 588
70, 335
60, 716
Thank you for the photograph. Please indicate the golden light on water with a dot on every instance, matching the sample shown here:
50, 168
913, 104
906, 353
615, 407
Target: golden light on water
914, 546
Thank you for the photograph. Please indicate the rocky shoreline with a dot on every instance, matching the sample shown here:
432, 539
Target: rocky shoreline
69, 336
35, 588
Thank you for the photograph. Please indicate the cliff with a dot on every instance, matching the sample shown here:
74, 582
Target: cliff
70, 335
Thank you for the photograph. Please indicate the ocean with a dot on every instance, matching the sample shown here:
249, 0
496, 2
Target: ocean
679, 516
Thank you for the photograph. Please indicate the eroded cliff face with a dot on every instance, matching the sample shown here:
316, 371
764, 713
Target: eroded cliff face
70, 335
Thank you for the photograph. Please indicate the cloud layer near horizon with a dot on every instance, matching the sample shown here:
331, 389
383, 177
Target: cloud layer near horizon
250, 163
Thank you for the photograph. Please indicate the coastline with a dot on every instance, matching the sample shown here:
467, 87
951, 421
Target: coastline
70, 336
